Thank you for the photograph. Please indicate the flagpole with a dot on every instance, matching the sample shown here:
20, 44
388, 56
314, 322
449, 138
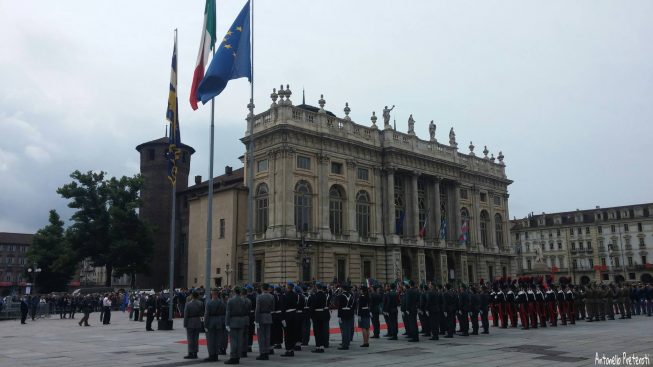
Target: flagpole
171, 270
209, 214
250, 156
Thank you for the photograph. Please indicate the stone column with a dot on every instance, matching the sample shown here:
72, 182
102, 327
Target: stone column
286, 214
350, 199
323, 197
395, 265
456, 202
390, 201
506, 224
413, 222
493, 233
377, 216
463, 265
272, 194
444, 269
436, 203
476, 198
421, 263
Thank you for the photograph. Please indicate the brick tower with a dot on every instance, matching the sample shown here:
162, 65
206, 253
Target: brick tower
156, 207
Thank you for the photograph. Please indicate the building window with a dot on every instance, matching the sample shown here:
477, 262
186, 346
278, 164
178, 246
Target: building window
528, 264
262, 208
641, 242
367, 269
363, 214
241, 271
303, 205
150, 154
612, 228
399, 205
485, 221
587, 230
497, 200
483, 197
498, 228
644, 261
341, 271
336, 168
626, 227
603, 261
526, 233
630, 261
589, 245
639, 227
303, 162
363, 174
579, 230
591, 262
616, 261
550, 234
463, 194
574, 264
600, 229
10, 260
262, 165
559, 245
258, 275
335, 209
222, 227
551, 246
421, 204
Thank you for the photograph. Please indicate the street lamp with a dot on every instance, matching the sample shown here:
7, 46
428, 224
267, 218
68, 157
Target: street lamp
34, 271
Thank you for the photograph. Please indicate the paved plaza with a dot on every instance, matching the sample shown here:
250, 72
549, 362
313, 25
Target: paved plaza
55, 342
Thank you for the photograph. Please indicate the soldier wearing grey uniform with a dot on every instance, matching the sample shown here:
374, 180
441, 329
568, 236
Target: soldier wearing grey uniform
236, 321
193, 324
263, 319
214, 317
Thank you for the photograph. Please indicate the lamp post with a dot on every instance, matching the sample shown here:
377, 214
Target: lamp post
228, 271
34, 271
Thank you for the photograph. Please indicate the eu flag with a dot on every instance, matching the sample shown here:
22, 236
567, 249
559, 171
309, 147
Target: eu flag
174, 141
232, 59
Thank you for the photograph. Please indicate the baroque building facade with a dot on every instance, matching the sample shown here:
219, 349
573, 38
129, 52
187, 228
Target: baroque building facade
338, 200
601, 244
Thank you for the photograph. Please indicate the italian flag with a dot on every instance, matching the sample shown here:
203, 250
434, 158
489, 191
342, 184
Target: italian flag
207, 44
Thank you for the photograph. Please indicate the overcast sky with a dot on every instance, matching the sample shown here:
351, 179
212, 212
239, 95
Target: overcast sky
563, 88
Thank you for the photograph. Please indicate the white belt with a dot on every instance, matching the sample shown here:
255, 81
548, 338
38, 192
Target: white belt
365, 308
320, 309
346, 308
290, 310
299, 311
275, 312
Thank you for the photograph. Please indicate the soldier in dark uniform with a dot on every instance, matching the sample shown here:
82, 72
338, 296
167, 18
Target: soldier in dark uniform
562, 306
532, 306
450, 307
318, 305
421, 309
474, 309
611, 295
150, 307
571, 305
511, 305
484, 303
236, 321
502, 301
299, 317
306, 319
345, 316
522, 300
193, 311
376, 308
24, 309
580, 302
251, 296
276, 335
433, 309
494, 306
288, 320
540, 306
550, 297
465, 300
263, 319
412, 302
390, 303
402, 308
363, 313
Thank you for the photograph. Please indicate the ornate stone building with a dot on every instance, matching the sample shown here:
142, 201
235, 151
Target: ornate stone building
601, 244
335, 199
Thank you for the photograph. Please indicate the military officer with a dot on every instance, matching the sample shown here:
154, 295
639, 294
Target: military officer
236, 320
484, 305
318, 304
433, 307
475, 309
390, 303
193, 324
346, 315
288, 319
412, 302
450, 309
263, 320
214, 319
376, 308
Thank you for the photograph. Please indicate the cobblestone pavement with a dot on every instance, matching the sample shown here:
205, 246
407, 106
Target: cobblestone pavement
55, 342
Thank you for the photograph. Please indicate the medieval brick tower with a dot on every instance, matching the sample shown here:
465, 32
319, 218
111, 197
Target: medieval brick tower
156, 208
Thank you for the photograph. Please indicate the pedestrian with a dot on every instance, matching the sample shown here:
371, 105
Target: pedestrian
214, 317
263, 321
193, 312
86, 307
106, 307
150, 304
24, 309
136, 305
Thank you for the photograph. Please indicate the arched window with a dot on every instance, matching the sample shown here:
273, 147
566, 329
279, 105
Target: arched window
335, 209
363, 214
303, 205
498, 229
399, 205
485, 222
261, 208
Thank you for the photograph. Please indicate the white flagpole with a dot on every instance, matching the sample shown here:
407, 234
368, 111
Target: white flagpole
209, 214
250, 156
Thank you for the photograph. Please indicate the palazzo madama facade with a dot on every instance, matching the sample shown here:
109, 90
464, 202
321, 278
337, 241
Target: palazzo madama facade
341, 200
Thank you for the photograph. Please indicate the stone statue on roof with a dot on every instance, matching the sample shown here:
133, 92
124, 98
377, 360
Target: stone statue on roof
452, 138
411, 124
432, 128
386, 114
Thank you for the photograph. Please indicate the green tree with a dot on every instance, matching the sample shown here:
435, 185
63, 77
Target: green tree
106, 227
51, 252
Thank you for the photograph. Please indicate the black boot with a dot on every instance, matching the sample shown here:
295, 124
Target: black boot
232, 361
289, 353
262, 357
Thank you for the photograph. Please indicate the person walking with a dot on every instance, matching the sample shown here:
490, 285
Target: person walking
86, 305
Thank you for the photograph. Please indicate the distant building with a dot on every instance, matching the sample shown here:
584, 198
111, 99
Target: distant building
601, 244
13, 261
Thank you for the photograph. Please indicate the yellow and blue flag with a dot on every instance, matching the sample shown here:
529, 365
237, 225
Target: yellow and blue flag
174, 140
232, 59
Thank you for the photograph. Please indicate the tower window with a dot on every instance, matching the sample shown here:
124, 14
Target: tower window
150, 154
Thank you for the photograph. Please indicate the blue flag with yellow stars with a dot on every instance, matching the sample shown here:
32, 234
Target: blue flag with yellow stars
174, 141
231, 61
